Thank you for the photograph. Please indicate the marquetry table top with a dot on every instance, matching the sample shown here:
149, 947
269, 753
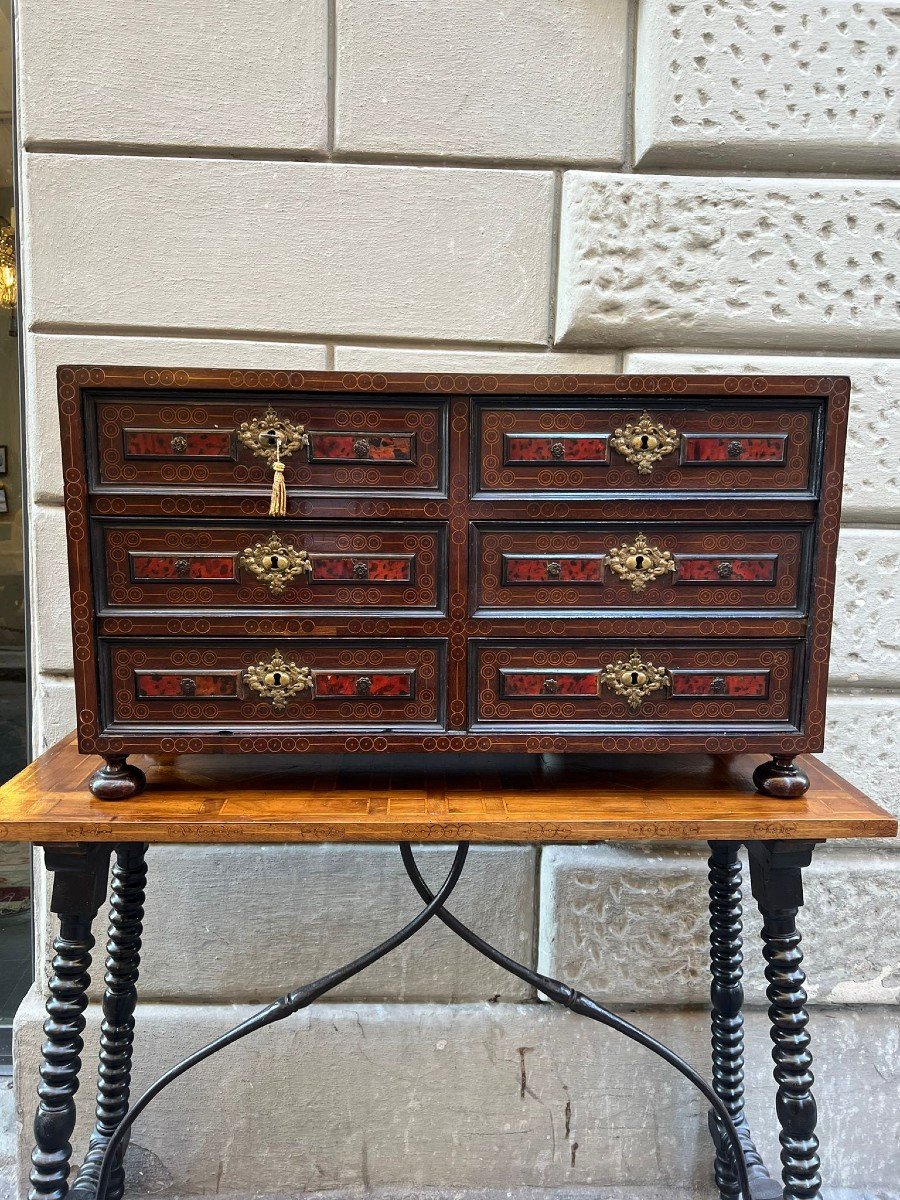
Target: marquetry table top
431, 798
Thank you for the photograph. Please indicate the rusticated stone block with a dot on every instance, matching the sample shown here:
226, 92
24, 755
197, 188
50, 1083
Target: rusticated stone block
660, 260
531, 81
248, 923
347, 1098
768, 84
629, 925
508, 362
110, 73
872, 468
287, 247
862, 742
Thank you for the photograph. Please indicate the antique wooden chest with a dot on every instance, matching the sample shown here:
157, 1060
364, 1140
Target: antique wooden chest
286, 561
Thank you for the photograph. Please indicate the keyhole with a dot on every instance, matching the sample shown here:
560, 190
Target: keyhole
645, 441
273, 562
640, 562
634, 676
276, 678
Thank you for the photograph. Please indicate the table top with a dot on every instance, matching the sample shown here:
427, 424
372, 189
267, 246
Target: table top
431, 798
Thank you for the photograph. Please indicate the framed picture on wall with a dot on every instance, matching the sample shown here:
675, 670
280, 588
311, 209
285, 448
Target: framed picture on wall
3, 451
4, 507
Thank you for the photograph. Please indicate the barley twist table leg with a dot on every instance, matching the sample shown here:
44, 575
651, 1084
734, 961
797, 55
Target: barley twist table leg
79, 882
776, 874
126, 913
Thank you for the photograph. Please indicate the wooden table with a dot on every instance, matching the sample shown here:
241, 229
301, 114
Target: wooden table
405, 799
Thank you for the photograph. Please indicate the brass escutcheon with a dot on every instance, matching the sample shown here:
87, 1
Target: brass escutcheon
640, 563
278, 680
272, 437
644, 443
275, 564
634, 679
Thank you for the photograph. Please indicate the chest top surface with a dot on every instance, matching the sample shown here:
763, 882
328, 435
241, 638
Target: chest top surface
308, 562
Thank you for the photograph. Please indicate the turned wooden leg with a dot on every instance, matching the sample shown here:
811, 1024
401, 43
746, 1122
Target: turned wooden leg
117, 779
79, 883
781, 777
776, 875
727, 1022
126, 913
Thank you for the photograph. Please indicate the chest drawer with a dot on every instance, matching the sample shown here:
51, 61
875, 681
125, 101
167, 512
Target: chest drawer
606, 682
568, 449
315, 567
347, 444
581, 568
223, 684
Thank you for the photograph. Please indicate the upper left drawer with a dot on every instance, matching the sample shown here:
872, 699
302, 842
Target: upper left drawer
326, 445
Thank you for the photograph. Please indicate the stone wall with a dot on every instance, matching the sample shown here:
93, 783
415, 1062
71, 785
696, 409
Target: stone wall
575, 185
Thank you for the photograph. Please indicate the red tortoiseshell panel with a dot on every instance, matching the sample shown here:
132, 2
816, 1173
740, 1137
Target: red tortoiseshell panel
586, 569
363, 568
151, 686
549, 683
178, 443
397, 684
722, 569
561, 448
704, 683
183, 567
363, 447
703, 449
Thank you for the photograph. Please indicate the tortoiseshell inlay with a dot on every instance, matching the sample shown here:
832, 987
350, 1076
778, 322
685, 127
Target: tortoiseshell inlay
553, 569
178, 443
556, 448
722, 568
182, 567
153, 685
363, 684
549, 683
724, 684
701, 448
361, 447
363, 568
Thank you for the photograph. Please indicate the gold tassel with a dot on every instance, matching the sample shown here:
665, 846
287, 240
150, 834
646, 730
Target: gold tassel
278, 503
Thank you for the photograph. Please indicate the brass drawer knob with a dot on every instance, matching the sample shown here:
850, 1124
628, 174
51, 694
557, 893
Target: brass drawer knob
360, 570
179, 444
182, 568
718, 685
640, 563
188, 686
276, 564
363, 685
554, 570
557, 450
361, 447
644, 443
724, 570
634, 680
278, 680
550, 686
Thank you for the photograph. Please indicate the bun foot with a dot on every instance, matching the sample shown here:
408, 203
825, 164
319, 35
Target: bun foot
781, 778
117, 779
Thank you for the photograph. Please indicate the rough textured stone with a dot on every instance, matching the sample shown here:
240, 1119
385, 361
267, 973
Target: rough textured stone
370, 358
454, 1096
533, 81
248, 923
768, 84
599, 903
287, 247
213, 73
45, 352
862, 741
866, 640
872, 468
660, 260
